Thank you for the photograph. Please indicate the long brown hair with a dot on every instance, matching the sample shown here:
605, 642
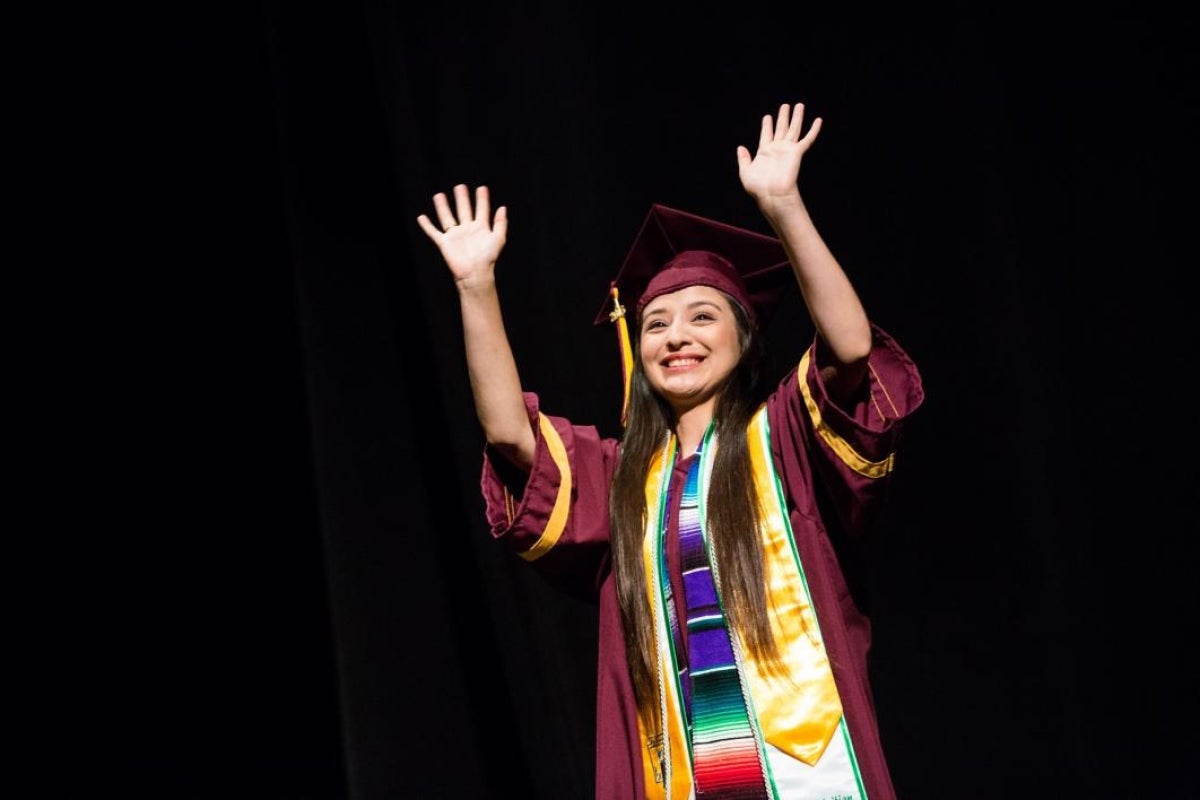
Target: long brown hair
733, 512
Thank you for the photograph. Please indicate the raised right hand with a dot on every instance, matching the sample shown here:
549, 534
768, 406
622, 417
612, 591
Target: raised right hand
470, 241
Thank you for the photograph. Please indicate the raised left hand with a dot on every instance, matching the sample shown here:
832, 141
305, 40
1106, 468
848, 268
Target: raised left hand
771, 174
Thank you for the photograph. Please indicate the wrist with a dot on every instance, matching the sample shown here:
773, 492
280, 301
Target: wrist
780, 203
476, 285
777, 205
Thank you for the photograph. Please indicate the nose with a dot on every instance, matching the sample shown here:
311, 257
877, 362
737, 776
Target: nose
677, 334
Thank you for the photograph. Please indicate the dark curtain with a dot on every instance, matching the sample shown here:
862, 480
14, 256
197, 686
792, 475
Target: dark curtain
316, 607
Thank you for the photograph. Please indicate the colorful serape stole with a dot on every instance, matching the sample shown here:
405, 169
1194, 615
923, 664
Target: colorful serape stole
796, 718
726, 762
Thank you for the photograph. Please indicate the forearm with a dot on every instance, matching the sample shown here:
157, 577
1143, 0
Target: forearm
832, 303
495, 383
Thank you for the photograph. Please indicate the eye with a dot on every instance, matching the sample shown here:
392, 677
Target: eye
703, 316
655, 323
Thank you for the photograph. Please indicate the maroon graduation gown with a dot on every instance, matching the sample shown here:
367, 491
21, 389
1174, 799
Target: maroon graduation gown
569, 530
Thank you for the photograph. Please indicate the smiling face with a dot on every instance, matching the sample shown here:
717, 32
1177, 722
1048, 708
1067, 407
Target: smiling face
689, 343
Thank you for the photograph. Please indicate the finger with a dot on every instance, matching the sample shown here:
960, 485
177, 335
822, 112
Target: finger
462, 202
427, 226
482, 204
793, 132
442, 206
781, 126
500, 225
765, 134
813, 130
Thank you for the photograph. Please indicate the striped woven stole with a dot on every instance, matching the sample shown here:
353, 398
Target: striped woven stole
726, 762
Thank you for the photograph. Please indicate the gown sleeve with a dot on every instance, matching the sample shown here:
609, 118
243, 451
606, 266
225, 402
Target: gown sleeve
556, 516
850, 448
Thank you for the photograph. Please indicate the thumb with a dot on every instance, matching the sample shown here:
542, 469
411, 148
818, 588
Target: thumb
743, 156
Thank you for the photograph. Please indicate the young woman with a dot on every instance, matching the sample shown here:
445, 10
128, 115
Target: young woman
732, 658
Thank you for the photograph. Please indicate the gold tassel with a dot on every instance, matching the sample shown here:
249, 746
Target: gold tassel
617, 315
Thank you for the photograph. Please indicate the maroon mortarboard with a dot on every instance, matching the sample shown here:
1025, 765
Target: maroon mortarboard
675, 249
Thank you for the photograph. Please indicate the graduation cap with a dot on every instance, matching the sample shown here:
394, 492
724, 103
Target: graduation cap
675, 249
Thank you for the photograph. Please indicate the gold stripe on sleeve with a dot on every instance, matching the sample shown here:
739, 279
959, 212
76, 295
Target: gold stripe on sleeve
562, 502
848, 455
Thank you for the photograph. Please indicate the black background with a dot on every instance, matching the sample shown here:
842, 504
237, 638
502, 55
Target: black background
272, 578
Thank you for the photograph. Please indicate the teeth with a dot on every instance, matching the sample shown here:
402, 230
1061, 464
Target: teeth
682, 362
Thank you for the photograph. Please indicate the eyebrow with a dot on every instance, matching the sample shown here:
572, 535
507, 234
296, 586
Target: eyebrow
652, 310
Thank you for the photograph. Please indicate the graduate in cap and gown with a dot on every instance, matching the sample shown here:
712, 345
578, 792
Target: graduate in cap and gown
732, 657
